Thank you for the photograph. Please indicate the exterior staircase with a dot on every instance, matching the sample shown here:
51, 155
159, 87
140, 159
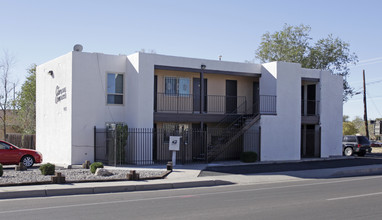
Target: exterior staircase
231, 133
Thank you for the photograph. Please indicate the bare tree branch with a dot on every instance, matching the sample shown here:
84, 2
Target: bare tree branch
6, 64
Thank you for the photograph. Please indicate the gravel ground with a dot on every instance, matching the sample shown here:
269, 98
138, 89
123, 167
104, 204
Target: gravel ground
34, 175
376, 150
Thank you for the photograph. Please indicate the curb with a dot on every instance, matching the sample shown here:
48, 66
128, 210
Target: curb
109, 189
358, 172
164, 175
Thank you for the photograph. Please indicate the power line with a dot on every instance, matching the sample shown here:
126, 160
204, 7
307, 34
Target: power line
375, 106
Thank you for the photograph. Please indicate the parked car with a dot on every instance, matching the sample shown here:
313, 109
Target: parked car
375, 144
352, 144
12, 155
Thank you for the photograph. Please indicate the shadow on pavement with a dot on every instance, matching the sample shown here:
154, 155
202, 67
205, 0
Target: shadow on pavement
292, 168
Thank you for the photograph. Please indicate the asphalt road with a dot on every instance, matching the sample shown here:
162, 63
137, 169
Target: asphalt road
371, 159
345, 198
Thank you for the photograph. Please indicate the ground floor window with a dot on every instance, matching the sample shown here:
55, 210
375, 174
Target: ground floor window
114, 88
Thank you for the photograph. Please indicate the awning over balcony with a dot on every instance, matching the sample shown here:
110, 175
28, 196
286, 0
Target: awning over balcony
209, 71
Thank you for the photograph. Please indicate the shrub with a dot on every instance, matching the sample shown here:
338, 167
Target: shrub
248, 157
1, 169
47, 169
94, 166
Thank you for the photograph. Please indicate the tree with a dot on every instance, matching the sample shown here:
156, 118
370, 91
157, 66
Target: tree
348, 128
359, 124
292, 44
26, 103
6, 86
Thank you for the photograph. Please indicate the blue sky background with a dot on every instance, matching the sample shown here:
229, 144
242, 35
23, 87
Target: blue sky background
38, 31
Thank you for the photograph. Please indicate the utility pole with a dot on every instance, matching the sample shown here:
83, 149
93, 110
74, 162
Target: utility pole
364, 106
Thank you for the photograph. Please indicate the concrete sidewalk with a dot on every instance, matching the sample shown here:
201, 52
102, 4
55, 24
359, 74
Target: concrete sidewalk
184, 176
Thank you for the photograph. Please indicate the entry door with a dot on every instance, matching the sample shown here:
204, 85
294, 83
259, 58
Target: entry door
308, 141
155, 92
231, 96
155, 143
198, 139
256, 98
311, 96
196, 92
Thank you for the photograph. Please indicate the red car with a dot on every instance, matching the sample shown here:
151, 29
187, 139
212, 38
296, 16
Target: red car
12, 155
375, 144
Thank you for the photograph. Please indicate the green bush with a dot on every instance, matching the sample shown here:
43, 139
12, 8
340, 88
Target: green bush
1, 169
94, 166
248, 157
47, 169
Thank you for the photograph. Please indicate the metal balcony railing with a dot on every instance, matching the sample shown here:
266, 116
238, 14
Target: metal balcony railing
189, 103
266, 105
310, 108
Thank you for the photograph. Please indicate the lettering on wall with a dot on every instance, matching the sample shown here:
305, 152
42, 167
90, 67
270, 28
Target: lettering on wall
60, 94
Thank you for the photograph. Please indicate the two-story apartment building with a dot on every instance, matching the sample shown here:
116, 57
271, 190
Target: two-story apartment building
295, 112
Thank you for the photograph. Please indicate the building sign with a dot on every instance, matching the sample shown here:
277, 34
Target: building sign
60, 94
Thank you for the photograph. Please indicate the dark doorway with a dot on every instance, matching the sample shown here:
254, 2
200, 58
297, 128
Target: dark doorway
308, 141
155, 144
198, 146
256, 98
311, 96
231, 96
302, 100
196, 92
155, 92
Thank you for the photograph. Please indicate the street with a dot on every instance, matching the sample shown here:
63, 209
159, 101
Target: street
343, 198
369, 159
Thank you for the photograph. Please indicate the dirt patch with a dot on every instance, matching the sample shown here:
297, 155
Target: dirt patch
376, 150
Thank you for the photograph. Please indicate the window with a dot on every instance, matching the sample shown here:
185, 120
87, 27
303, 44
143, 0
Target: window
4, 146
177, 86
114, 88
363, 140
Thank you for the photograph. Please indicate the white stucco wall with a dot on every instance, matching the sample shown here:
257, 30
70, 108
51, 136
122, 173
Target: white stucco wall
331, 114
65, 130
53, 120
90, 106
140, 83
280, 134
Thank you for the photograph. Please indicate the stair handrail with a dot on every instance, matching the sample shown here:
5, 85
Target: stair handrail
231, 114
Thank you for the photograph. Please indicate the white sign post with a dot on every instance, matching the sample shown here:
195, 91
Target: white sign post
174, 146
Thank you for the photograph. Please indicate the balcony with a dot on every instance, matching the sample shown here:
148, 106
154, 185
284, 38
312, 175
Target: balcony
310, 111
186, 107
266, 106
190, 104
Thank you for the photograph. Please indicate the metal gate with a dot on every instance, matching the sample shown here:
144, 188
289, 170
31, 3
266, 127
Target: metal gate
146, 146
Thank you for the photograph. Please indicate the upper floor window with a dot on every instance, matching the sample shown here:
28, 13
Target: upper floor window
114, 88
177, 86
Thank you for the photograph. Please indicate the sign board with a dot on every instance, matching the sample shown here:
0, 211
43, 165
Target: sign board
377, 127
174, 144
60, 94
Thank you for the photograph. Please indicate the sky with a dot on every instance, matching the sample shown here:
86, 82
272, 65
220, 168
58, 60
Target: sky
38, 31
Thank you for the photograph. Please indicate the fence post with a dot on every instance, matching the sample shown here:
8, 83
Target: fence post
184, 147
204, 134
260, 143
31, 142
95, 143
115, 147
